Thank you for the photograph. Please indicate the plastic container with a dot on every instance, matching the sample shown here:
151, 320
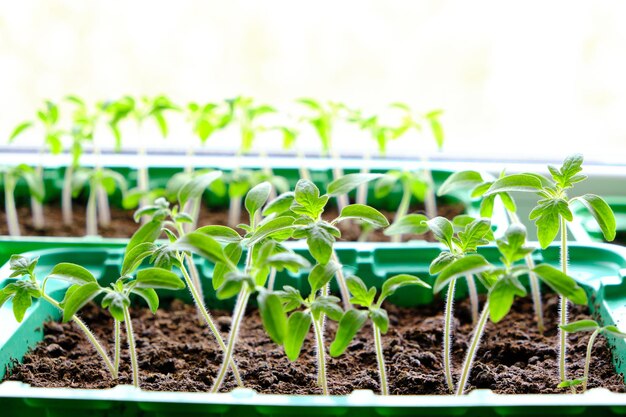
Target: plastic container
599, 268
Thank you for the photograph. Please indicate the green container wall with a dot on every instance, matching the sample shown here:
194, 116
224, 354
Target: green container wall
590, 227
599, 268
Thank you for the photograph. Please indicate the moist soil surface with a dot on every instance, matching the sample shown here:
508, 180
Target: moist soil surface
123, 226
176, 353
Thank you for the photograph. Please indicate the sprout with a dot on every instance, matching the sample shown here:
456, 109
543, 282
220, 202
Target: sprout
11, 176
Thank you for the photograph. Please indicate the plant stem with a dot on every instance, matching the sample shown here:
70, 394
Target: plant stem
131, 347
36, 206
90, 336
592, 339
66, 197
473, 348
563, 305
305, 174
271, 279
341, 281
473, 295
9, 205
104, 212
384, 390
403, 208
321, 357
234, 211
361, 193
430, 201
342, 199
91, 228
209, 320
447, 335
118, 344
240, 309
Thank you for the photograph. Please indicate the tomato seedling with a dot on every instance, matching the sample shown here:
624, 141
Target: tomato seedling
11, 176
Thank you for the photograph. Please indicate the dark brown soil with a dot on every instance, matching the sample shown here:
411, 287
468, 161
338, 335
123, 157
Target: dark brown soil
123, 225
178, 354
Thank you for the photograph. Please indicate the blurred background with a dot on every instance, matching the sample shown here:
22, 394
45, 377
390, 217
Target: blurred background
516, 80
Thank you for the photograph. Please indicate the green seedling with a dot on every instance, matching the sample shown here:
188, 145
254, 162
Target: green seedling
353, 320
48, 120
322, 117
503, 285
596, 329
478, 184
413, 185
264, 254
11, 176
461, 237
99, 180
553, 211
206, 120
291, 331
290, 132
26, 288
249, 116
116, 297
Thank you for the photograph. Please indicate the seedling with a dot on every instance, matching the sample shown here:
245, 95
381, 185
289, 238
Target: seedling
99, 180
596, 329
290, 133
552, 213
478, 184
11, 176
48, 119
206, 120
291, 331
503, 284
353, 320
26, 288
461, 237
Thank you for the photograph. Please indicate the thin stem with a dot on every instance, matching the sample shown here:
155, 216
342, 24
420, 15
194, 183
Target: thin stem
131, 347
234, 211
342, 199
66, 197
341, 281
403, 208
118, 344
9, 205
473, 296
447, 335
361, 193
271, 279
321, 357
592, 339
90, 336
189, 166
209, 321
104, 211
244, 295
37, 207
91, 228
384, 390
563, 306
430, 201
305, 174
473, 348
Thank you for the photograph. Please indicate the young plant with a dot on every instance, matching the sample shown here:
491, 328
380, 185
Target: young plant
48, 118
11, 175
291, 331
116, 297
25, 288
290, 132
596, 329
98, 180
503, 285
353, 320
206, 120
552, 213
478, 184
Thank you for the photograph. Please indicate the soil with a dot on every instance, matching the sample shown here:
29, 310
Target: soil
123, 226
178, 354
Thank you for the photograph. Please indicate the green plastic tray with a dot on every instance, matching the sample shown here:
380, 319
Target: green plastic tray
589, 227
599, 268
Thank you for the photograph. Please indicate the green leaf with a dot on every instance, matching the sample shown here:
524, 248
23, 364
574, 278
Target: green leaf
462, 180
409, 224
233, 252
277, 226
298, 326
468, 265
547, 218
320, 241
349, 182
364, 213
486, 206
501, 297
321, 274
202, 245
19, 129
361, 295
391, 285
149, 232
116, 303
72, 273
475, 234
515, 182
440, 262
380, 318
614, 331
159, 278
273, 316
384, 186
289, 260
223, 234
571, 383
561, 283
602, 212
568, 174
442, 229
280, 204
21, 265
307, 200
580, 326
257, 197
135, 257
328, 305
349, 326
79, 297
197, 186
22, 300
150, 296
